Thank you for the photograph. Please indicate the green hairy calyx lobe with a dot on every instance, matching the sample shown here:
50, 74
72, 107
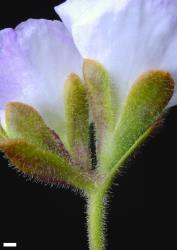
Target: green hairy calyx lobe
144, 105
24, 122
77, 120
43, 165
100, 100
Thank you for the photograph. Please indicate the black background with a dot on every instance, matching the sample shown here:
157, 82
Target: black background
38, 217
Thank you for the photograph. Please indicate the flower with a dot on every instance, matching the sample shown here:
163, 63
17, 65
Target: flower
127, 37
113, 43
117, 44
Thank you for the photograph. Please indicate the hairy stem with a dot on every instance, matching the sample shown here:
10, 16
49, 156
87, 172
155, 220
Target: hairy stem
96, 216
97, 198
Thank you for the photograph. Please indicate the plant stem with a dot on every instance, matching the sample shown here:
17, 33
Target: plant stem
96, 216
97, 199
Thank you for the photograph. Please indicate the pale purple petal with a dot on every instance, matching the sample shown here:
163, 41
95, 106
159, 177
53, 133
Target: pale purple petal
35, 60
127, 36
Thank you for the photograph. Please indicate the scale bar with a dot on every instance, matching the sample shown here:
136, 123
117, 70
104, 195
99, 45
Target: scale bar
9, 244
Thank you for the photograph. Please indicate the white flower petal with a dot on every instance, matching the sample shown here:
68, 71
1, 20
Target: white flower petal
73, 11
127, 36
35, 60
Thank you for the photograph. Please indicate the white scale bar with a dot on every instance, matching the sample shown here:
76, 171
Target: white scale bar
9, 244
